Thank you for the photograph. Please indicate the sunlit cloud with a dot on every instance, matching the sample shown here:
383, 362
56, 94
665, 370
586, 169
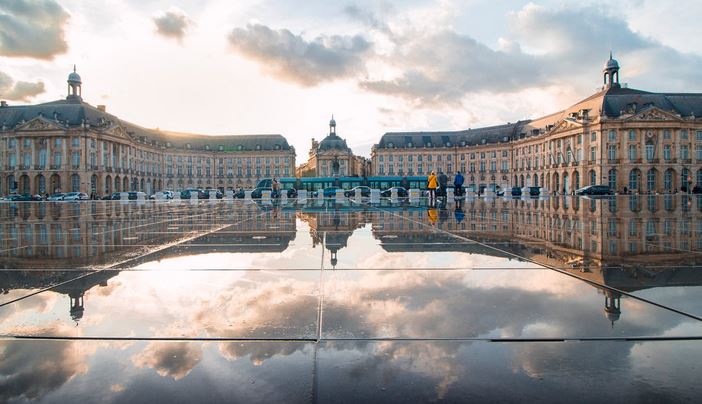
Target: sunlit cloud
32, 28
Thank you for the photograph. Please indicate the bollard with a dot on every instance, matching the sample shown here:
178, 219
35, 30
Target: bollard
449, 195
414, 195
393, 193
124, 196
357, 194
375, 196
212, 194
339, 195
320, 194
284, 196
302, 196
247, 194
228, 194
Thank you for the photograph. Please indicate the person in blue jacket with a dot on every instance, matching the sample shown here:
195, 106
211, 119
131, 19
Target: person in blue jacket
458, 184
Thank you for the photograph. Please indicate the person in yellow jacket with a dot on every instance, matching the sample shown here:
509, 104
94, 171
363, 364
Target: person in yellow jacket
432, 184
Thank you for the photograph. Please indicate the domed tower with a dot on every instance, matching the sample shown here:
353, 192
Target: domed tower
332, 126
611, 72
74, 86
612, 306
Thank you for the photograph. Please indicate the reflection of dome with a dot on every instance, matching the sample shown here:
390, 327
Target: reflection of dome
612, 315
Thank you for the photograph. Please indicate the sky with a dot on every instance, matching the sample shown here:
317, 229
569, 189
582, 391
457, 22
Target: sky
285, 66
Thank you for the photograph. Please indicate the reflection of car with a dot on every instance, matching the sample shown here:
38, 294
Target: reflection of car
697, 189
327, 192
133, 196
75, 196
55, 197
594, 190
365, 192
401, 192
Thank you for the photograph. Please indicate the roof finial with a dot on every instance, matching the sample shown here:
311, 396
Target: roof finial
74, 67
610, 54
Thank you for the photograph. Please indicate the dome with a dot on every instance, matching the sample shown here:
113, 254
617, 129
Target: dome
74, 78
611, 63
332, 142
332, 122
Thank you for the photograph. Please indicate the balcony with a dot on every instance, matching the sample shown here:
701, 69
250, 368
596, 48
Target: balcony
653, 161
575, 164
612, 161
94, 167
39, 167
56, 166
24, 167
75, 166
108, 169
634, 161
686, 161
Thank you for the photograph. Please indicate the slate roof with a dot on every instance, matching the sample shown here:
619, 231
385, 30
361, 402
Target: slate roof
72, 113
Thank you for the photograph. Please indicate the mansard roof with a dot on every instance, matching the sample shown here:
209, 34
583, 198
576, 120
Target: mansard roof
71, 113
492, 134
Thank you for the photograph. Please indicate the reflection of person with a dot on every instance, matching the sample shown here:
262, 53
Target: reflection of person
276, 187
432, 183
458, 214
433, 216
335, 166
405, 183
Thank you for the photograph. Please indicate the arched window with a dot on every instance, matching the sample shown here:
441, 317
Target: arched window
651, 180
612, 179
75, 183
668, 180
634, 176
698, 180
685, 179
593, 177
576, 180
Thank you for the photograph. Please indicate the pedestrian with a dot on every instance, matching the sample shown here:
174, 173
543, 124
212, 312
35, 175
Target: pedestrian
404, 183
276, 187
432, 183
458, 184
443, 181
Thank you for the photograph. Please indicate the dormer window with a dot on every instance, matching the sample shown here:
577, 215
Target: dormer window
463, 143
258, 147
448, 144
240, 147
168, 144
505, 138
221, 148
409, 144
277, 147
428, 144
389, 145
483, 140
188, 146
207, 147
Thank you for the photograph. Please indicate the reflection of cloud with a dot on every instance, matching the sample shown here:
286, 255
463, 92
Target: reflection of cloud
19, 91
32, 28
291, 57
32, 369
174, 359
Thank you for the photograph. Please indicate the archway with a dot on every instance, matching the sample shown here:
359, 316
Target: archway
24, 184
651, 180
566, 185
593, 177
576, 180
141, 185
521, 181
685, 180
55, 183
556, 183
118, 184
93, 184
669, 180
528, 180
125, 184
108, 185
612, 179
75, 183
634, 180
40, 184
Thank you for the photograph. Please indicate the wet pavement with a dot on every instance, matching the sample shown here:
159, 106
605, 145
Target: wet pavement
347, 301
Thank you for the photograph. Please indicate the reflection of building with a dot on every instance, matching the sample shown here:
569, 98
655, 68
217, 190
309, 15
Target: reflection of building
70, 145
333, 229
332, 157
619, 136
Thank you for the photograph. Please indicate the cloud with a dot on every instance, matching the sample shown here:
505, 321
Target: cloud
172, 24
32, 28
291, 57
546, 47
174, 359
19, 91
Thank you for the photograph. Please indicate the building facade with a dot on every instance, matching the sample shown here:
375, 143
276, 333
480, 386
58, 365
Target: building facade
70, 145
631, 140
333, 157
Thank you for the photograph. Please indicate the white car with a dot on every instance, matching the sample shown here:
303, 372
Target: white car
75, 196
56, 197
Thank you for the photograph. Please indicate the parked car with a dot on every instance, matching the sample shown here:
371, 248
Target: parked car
365, 192
56, 197
401, 192
594, 190
75, 196
326, 192
134, 195
197, 193
20, 198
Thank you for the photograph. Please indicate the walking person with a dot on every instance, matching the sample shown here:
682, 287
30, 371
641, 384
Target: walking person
458, 184
432, 183
276, 188
443, 181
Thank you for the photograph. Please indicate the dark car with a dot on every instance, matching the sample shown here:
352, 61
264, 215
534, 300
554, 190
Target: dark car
19, 198
218, 193
327, 192
594, 190
196, 193
401, 192
365, 192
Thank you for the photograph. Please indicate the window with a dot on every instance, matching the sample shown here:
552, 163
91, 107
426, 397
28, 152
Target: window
42, 158
698, 136
650, 151
612, 152
75, 142
593, 153
75, 183
698, 152
666, 152
632, 135
380, 158
651, 180
593, 177
612, 136
632, 152
593, 136
684, 152
668, 180
580, 138
75, 160
612, 179
684, 135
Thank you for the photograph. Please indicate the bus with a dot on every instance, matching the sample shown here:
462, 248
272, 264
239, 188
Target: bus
319, 183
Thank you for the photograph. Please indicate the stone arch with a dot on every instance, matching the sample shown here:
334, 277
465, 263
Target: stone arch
651, 179
593, 177
55, 183
566, 184
108, 185
24, 185
125, 184
40, 184
75, 183
634, 183
576, 180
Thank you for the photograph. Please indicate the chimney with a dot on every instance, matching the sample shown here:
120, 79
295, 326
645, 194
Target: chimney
102, 108
3, 104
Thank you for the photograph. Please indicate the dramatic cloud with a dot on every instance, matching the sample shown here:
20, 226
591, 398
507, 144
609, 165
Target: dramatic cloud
32, 28
291, 57
547, 47
19, 91
174, 359
172, 24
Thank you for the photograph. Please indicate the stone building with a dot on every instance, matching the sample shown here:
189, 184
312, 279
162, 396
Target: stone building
628, 139
70, 145
333, 157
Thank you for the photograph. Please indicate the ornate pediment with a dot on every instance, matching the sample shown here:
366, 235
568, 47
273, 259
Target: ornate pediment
565, 125
118, 131
653, 114
39, 124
